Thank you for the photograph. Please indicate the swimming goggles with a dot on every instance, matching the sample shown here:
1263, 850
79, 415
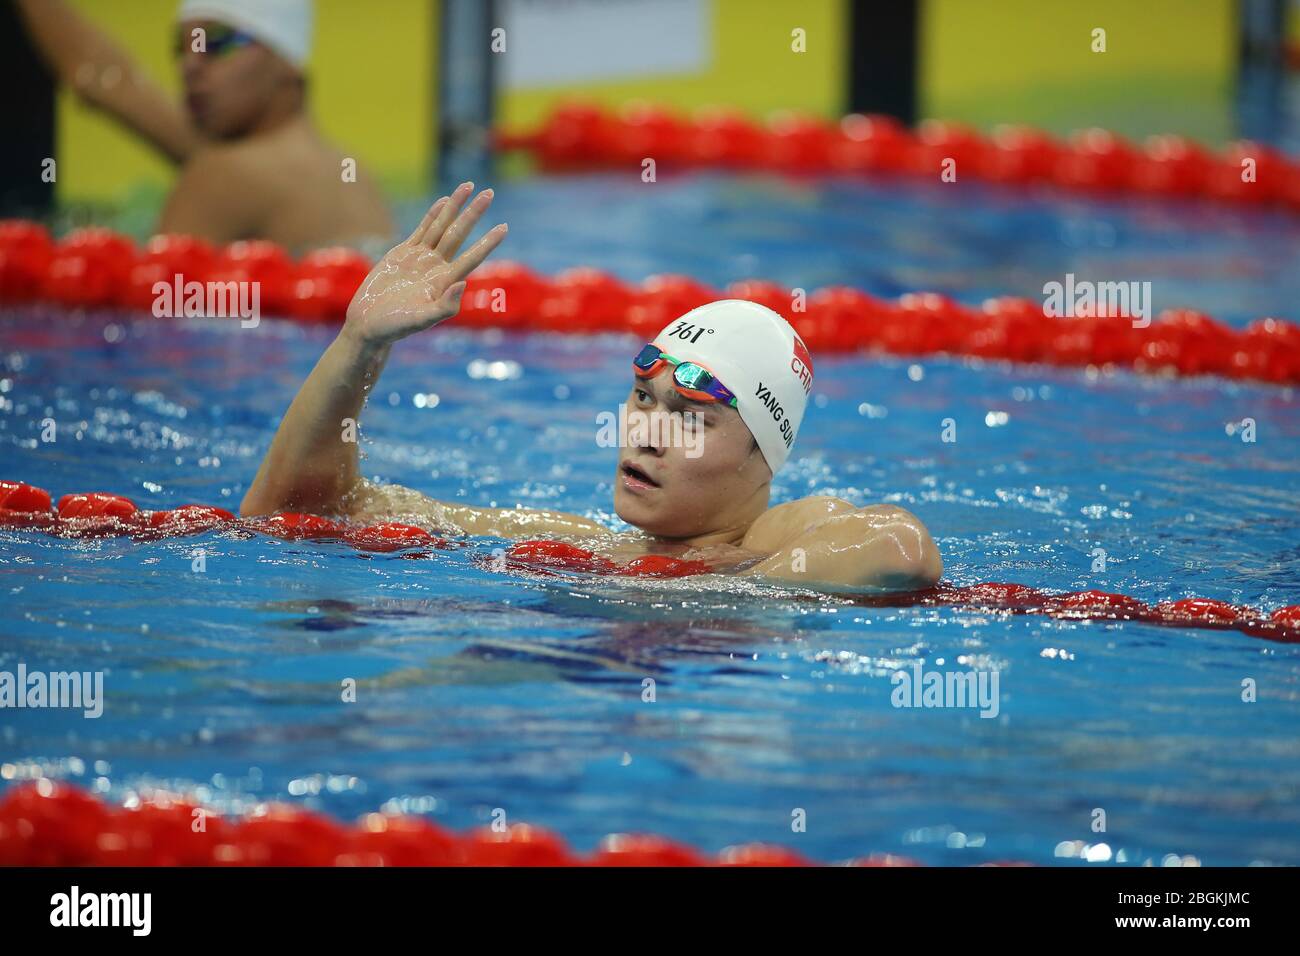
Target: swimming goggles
690, 378
218, 40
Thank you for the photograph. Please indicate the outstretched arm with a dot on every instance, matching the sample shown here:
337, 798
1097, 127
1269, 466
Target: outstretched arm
830, 541
418, 284
85, 58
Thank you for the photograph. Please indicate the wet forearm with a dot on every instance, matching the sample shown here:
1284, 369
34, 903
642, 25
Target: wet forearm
64, 38
313, 463
83, 57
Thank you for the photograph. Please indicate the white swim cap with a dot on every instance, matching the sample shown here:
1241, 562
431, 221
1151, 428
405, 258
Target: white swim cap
283, 25
755, 353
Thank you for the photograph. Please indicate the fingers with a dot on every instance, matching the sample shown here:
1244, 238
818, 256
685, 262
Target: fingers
451, 240
473, 257
450, 300
433, 234
428, 218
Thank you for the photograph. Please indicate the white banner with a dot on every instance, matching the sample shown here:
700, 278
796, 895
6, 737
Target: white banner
554, 42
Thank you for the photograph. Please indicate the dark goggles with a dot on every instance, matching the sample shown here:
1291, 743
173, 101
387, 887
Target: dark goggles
218, 40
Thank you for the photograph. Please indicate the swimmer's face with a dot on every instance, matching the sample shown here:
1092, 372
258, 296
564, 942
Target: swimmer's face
230, 88
703, 479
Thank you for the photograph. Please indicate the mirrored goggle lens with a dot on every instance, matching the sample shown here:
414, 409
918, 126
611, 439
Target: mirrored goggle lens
690, 375
647, 357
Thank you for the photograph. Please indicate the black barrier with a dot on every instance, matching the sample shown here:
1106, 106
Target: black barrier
27, 117
982, 904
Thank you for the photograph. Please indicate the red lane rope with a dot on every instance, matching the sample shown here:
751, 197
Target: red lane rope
98, 514
580, 135
97, 268
45, 823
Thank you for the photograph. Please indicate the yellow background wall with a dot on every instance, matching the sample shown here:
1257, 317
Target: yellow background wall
753, 67
1168, 67
372, 92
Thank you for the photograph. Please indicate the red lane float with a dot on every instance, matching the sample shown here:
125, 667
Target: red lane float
1099, 604
583, 136
188, 519
95, 505
293, 527
662, 566
507, 295
1282, 625
392, 536
175, 523
1287, 617
90, 267
47, 823
25, 253
164, 258
1202, 611
560, 555
96, 514
637, 849
568, 557
19, 497
325, 282
257, 261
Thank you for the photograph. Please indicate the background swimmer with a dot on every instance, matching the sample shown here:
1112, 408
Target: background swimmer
711, 507
252, 162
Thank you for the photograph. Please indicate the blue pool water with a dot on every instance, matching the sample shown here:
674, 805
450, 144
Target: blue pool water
482, 690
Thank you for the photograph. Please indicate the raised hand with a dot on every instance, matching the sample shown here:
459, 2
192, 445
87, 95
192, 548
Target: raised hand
419, 283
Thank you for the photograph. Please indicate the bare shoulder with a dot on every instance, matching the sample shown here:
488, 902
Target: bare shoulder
778, 524
245, 168
890, 513
894, 519
218, 195
829, 541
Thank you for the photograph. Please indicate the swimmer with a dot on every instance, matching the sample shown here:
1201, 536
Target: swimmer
252, 163
737, 365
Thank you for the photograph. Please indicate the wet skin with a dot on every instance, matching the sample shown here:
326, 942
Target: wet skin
712, 507
250, 162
